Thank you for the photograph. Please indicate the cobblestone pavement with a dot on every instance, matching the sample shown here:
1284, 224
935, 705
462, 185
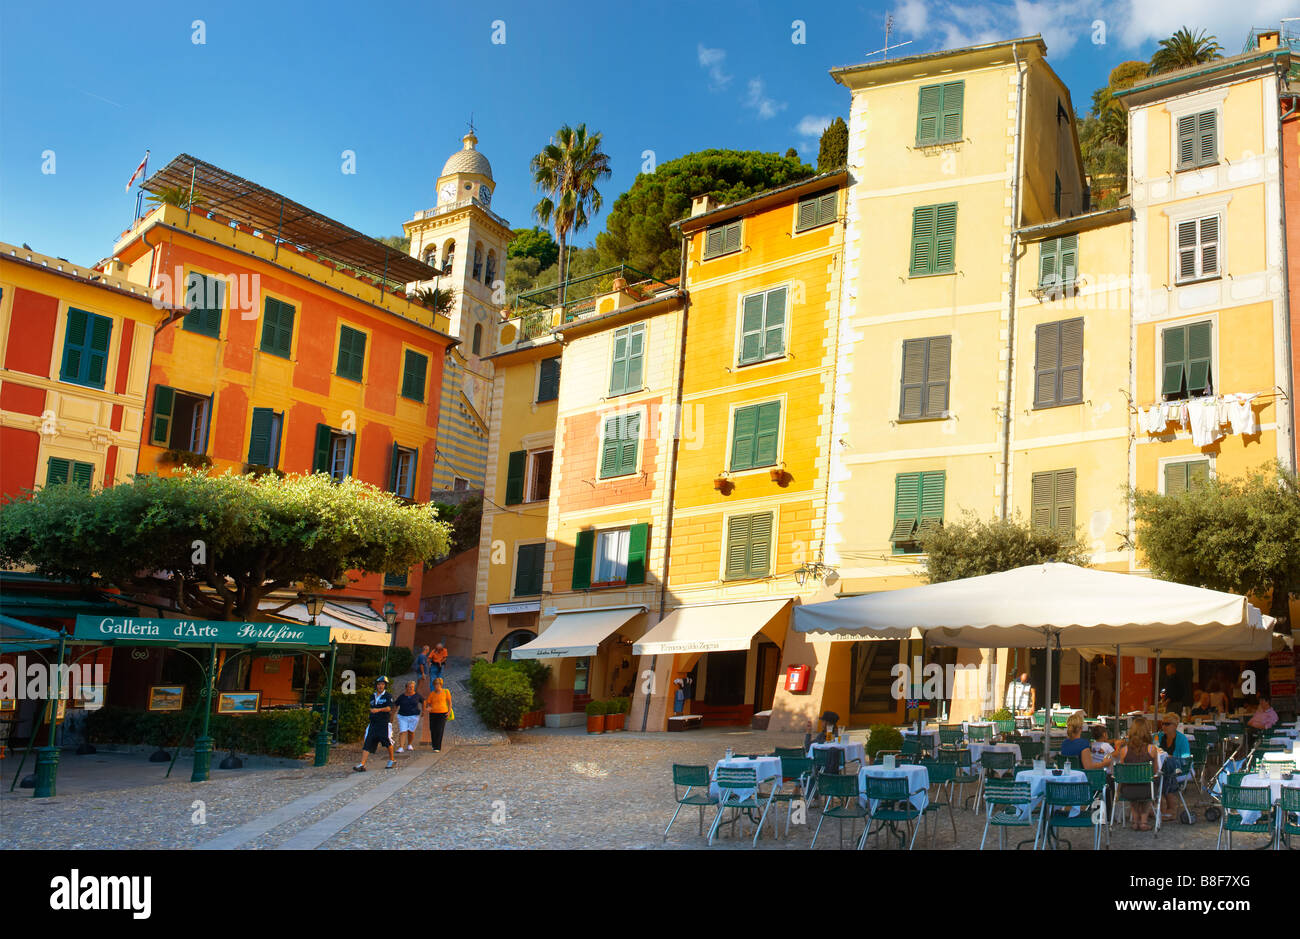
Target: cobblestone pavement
543, 789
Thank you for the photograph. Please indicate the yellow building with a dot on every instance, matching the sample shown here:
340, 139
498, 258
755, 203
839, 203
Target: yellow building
749, 491
74, 366
950, 155
1210, 316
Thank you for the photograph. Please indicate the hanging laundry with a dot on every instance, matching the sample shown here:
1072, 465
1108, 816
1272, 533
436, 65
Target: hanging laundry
1152, 419
1241, 415
1203, 415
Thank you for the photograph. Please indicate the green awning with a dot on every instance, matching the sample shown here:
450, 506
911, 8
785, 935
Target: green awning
18, 636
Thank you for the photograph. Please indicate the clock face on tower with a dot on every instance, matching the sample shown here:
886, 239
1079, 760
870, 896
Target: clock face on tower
484, 195
447, 193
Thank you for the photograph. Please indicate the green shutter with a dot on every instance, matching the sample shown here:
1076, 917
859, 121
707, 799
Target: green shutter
911, 403
751, 328
74, 345
1175, 360
806, 215
954, 94
1069, 254
1207, 148
1040, 512
635, 357
907, 507
932, 487
259, 439
1175, 478
160, 431
1187, 141
610, 447
321, 456
938, 356
1047, 361
945, 238
1070, 381
637, 542
548, 383
101, 327
415, 369
1198, 358
277, 327
57, 471
1056, 194
923, 221
929, 114
352, 353
713, 241
774, 323
630, 441
515, 477
208, 296
760, 545
731, 237
583, 549
1063, 502
1049, 262
83, 474
1198, 474
530, 569
737, 563
768, 434
85, 348
743, 428
618, 369
394, 456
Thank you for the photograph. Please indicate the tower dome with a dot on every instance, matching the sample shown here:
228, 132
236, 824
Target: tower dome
467, 160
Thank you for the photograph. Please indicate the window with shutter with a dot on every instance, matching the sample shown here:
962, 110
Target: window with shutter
395, 581
629, 358
415, 369
1186, 476
515, 465
1058, 363
352, 353
755, 436
934, 239
721, 239
83, 474
749, 546
528, 569
548, 380
1052, 501
259, 437
1058, 261
1187, 361
204, 298
583, 550
619, 444
1198, 143
918, 508
762, 326
277, 327
59, 471
85, 348
939, 113
638, 546
925, 379
1197, 248
815, 211
401, 475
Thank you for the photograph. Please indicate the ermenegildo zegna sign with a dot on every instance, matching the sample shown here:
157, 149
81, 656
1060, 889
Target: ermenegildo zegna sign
198, 631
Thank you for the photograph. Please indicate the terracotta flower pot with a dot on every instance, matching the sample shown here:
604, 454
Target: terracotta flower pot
596, 723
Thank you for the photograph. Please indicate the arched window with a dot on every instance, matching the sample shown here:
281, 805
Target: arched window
448, 256
431, 255
491, 269
512, 641
478, 339
478, 262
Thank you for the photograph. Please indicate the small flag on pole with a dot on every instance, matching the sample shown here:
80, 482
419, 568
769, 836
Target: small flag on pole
139, 171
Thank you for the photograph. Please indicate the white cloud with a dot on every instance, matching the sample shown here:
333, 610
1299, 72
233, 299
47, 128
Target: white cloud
756, 98
812, 125
1139, 22
712, 60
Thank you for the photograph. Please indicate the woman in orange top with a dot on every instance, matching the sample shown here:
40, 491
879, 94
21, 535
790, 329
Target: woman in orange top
438, 706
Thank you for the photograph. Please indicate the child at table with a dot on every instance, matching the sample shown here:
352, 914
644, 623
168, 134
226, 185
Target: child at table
1102, 749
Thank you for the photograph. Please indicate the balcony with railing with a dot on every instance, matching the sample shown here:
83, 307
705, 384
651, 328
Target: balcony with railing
437, 210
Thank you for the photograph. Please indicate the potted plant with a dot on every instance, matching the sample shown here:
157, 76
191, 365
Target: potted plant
722, 482
595, 717
620, 707
778, 474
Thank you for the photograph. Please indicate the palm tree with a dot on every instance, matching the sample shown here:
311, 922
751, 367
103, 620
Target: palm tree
176, 195
1182, 49
567, 170
438, 299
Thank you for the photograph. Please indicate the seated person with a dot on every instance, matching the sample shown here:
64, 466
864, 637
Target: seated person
1178, 758
1264, 719
1204, 707
1137, 748
1078, 748
1102, 750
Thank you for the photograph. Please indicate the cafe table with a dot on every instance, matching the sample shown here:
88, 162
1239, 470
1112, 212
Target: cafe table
1275, 791
918, 785
977, 750
765, 767
850, 750
1038, 780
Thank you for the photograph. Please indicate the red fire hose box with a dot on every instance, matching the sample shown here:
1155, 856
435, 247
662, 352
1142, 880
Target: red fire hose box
796, 678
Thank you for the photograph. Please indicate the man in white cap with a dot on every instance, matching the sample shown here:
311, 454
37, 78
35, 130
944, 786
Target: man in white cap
380, 730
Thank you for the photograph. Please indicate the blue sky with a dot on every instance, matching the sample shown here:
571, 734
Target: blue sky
278, 91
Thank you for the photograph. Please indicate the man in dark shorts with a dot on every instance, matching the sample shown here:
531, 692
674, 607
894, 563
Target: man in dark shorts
380, 730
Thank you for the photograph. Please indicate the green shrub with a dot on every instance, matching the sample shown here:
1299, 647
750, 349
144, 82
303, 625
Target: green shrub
274, 733
595, 708
400, 661
619, 706
1001, 714
883, 737
501, 693
536, 673
354, 709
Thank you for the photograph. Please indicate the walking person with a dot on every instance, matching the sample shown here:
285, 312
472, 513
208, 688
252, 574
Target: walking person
408, 717
438, 706
380, 730
437, 659
422, 669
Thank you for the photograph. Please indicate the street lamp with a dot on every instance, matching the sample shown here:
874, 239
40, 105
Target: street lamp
315, 604
390, 617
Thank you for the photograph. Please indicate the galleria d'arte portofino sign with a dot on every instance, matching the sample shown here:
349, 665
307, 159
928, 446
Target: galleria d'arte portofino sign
199, 631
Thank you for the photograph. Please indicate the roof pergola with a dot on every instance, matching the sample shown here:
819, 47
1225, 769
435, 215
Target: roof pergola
274, 213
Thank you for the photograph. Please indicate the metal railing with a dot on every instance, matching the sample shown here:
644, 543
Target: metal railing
578, 296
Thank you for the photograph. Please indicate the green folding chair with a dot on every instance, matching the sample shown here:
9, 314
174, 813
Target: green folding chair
1030, 750
943, 775
841, 802
738, 788
1061, 799
692, 777
797, 774
1007, 804
994, 764
963, 773
951, 735
892, 804
1140, 774
1200, 755
1288, 808
1238, 799
911, 748
795, 752
1005, 728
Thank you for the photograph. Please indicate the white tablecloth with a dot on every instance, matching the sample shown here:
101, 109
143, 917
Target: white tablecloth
977, 750
1275, 787
1281, 756
852, 751
911, 732
1038, 780
767, 767
918, 777
1037, 735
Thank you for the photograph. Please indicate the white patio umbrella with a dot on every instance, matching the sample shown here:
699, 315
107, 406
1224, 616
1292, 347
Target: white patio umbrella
1030, 606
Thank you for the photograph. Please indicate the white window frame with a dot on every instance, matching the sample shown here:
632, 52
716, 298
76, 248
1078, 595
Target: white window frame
348, 441
407, 456
1175, 252
459, 479
785, 327
731, 437
623, 545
